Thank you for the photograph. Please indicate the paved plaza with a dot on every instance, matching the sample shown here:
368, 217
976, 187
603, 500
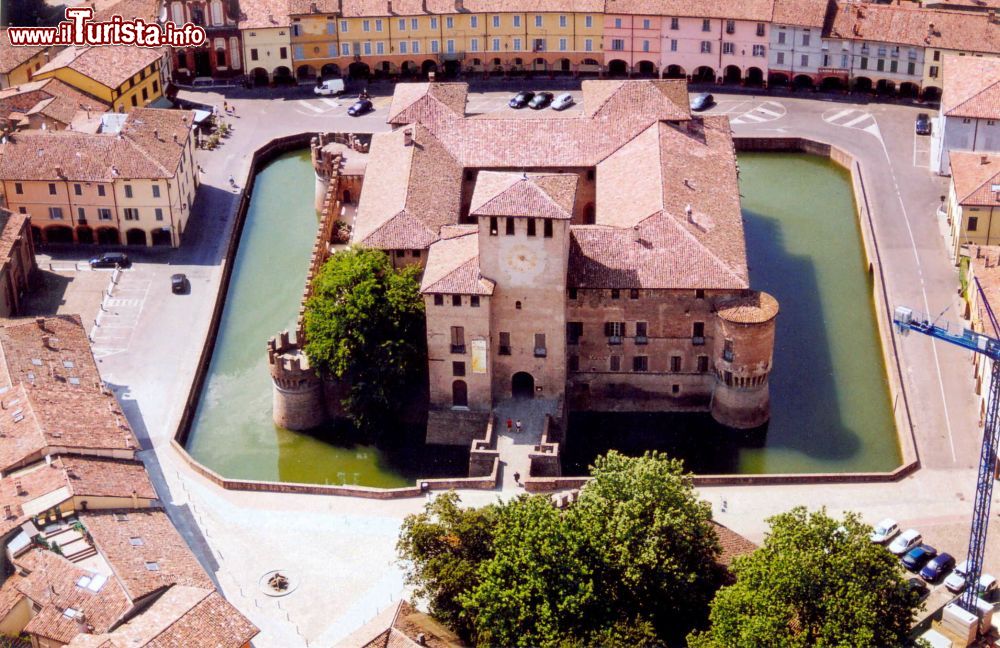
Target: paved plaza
341, 550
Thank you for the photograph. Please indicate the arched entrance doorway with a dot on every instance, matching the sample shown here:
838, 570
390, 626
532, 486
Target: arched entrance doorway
910, 90
932, 93
522, 385
108, 236
777, 79
429, 66
330, 70
84, 234
647, 69
732, 74
283, 76
704, 74
135, 237
885, 87
831, 84
260, 77
162, 236
675, 72
802, 81
459, 394
862, 84
358, 70
58, 234
755, 77
617, 68
305, 73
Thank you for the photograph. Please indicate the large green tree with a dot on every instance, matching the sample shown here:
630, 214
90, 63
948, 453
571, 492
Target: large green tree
364, 324
816, 581
631, 563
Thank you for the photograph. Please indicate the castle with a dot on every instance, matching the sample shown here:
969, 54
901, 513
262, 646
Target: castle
596, 258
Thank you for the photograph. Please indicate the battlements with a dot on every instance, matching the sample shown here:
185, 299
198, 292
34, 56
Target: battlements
328, 160
288, 363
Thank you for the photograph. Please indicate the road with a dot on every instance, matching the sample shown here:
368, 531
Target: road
341, 550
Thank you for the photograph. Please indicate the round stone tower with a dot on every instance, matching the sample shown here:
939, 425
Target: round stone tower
320, 166
744, 349
298, 392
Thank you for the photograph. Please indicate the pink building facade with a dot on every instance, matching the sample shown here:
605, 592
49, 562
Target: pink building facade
632, 45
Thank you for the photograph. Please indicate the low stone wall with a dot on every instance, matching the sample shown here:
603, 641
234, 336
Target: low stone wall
484, 456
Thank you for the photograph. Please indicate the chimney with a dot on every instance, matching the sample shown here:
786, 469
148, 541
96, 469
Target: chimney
19, 487
408, 137
313, 8
690, 213
135, 499
459, 5
635, 234
175, 138
156, 133
984, 159
81, 622
41, 322
390, 7
421, 639
8, 514
47, 341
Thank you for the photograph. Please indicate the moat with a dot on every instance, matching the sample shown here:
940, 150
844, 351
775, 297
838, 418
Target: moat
830, 400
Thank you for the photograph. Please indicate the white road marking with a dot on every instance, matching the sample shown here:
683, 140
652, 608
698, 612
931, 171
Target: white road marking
833, 118
873, 129
855, 121
306, 104
752, 117
331, 102
764, 110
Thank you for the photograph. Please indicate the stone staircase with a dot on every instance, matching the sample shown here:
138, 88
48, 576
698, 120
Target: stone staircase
73, 545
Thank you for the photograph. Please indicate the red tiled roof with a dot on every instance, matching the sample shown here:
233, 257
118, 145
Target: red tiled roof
976, 177
758, 10
453, 266
513, 194
264, 14
971, 87
145, 149
144, 536
109, 65
958, 30
804, 13
49, 97
417, 102
733, 544
10, 56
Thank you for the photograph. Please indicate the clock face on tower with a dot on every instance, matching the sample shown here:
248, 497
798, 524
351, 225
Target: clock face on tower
523, 262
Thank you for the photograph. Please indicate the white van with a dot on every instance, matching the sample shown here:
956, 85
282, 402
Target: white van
330, 88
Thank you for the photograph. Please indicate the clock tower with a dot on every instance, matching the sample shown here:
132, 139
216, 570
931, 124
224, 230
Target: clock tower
523, 228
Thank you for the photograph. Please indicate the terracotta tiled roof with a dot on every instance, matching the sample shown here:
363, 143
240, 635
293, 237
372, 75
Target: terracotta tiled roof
59, 587
754, 308
49, 97
984, 266
959, 30
145, 149
51, 379
802, 13
380, 8
109, 65
453, 265
10, 56
398, 626
733, 544
147, 10
91, 477
971, 87
976, 182
514, 194
304, 7
264, 14
659, 254
184, 617
143, 537
422, 102
759, 10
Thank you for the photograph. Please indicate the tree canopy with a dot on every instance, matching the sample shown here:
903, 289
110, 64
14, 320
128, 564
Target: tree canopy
816, 581
631, 563
364, 325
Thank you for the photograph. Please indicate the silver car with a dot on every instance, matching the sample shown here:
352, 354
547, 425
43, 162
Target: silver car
563, 101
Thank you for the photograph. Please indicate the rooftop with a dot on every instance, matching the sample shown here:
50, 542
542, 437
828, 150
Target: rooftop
150, 145
264, 14
914, 26
109, 65
803, 13
49, 97
971, 87
10, 56
399, 626
758, 10
976, 177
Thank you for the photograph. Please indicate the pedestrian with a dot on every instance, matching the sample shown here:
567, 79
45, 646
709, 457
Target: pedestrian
232, 181
509, 424
225, 107
518, 426
517, 478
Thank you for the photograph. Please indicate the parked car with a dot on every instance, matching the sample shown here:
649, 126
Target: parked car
360, 107
917, 589
937, 567
540, 100
987, 587
905, 541
704, 101
563, 101
923, 124
884, 531
521, 99
179, 283
329, 88
956, 579
917, 557
111, 260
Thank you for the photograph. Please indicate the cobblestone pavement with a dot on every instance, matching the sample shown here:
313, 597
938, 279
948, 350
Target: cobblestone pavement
341, 550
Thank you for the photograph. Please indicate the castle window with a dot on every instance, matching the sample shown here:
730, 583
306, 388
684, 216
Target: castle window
702, 363
517, 305
457, 339
459, 394
457, 368
574, 362
415, 254
698, 333
456, 300
547, 228
531, 227
493, 226
574, 331
640, 333
540, 350
727, 351
615, 293
573, 293
675, 363
510, 227
400, 254
615, 363
675, 389
640, 363
633, 293
474, 301
699, 293
439, 300
504, 343
614, 332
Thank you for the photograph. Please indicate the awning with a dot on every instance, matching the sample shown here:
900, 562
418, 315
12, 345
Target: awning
200, 116
46, 502
161, 102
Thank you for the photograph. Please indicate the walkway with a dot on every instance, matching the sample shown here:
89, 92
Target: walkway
515, 446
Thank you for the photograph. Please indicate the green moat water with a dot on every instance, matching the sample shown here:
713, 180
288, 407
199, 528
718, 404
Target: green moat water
830, 402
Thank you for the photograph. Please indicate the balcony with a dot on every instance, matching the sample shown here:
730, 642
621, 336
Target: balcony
641, 339
614, 339
727, 355
698, 340
540, 352
458, 348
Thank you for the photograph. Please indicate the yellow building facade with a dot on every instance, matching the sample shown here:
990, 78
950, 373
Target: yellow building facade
124, 78
313, 38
